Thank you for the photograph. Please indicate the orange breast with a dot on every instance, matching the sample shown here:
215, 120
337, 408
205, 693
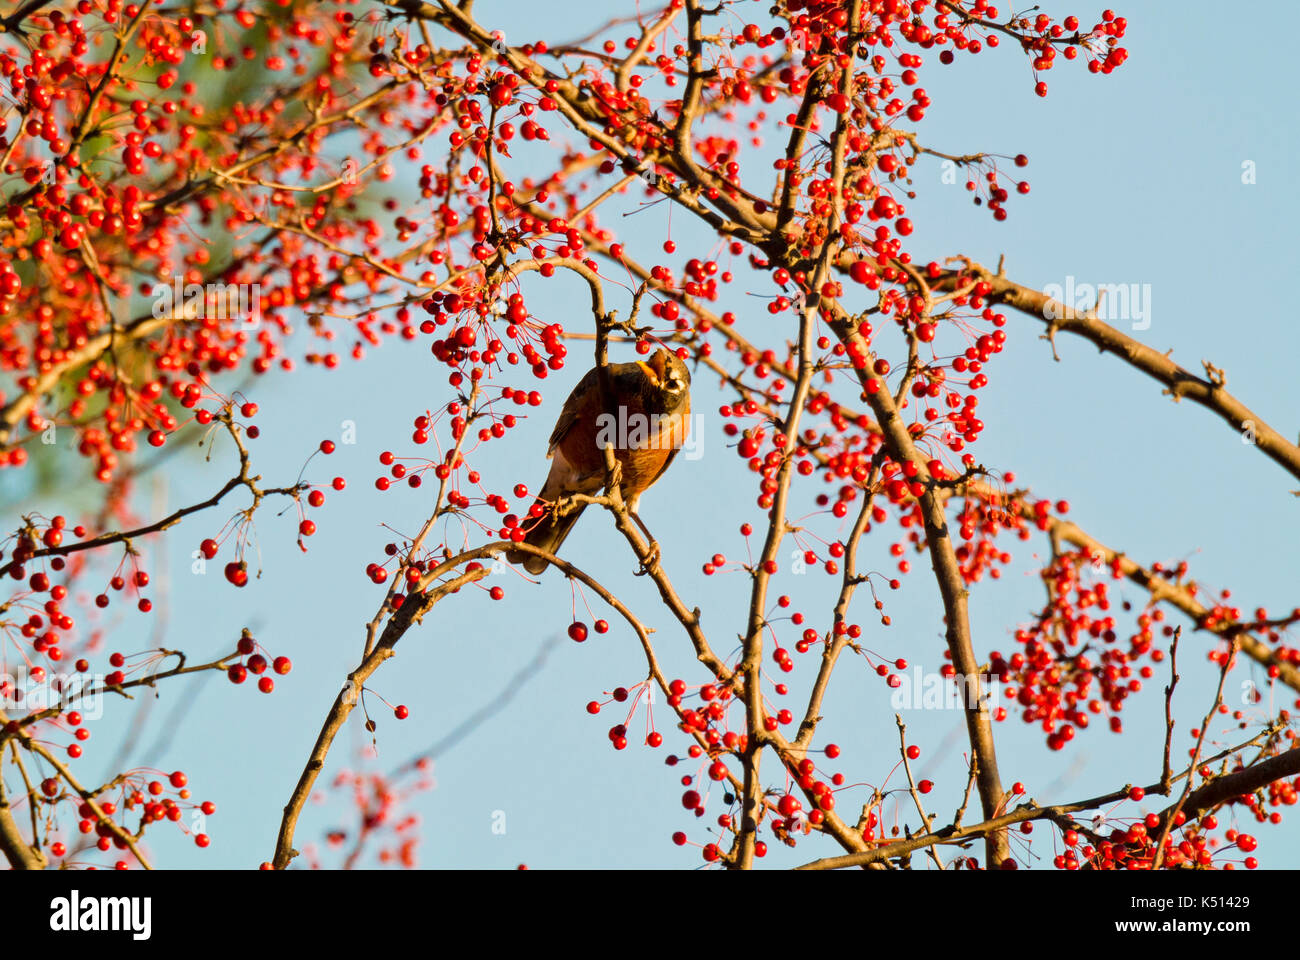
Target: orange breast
674, 430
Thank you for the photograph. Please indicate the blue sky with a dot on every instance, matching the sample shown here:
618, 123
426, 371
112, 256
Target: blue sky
1136, 178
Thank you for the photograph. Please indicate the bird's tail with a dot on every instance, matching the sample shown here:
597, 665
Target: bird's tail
546, 534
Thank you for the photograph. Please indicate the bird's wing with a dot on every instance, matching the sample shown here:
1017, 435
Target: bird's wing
624, 379
572, 407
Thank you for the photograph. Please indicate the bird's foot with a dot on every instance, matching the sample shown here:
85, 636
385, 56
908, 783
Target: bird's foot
651, 561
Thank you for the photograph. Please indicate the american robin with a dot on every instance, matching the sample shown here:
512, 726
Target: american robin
644, 414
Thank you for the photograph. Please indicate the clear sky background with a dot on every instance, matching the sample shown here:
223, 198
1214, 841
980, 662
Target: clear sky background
1136, 178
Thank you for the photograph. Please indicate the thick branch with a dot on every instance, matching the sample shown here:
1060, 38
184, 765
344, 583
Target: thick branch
1178, 382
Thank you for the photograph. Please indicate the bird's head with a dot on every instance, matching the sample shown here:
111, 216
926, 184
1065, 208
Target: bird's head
669, 374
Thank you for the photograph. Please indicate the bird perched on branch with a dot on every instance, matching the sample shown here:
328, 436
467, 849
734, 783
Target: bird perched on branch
641, 409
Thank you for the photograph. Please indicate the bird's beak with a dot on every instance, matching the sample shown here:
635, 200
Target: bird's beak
659, 364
